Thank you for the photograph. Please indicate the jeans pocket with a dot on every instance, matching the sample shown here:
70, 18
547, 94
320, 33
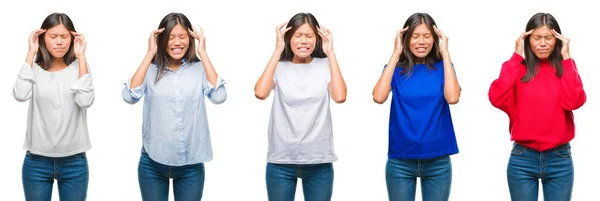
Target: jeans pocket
564, 152
517, 150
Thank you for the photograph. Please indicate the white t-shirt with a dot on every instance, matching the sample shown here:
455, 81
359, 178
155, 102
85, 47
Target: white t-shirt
300, 130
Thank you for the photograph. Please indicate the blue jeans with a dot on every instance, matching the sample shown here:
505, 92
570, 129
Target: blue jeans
435, 173
70, 172
527, 166
188, 180
317, 181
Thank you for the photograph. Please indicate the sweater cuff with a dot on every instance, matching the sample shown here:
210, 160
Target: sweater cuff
569, 65
84, 84
26, 73
516, 58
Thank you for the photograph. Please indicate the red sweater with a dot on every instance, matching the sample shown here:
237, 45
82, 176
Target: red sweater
541, 110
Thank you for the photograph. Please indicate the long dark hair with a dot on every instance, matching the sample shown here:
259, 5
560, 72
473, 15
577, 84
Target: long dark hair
407, 58
532, 61
162, 58
297, 21
43, 57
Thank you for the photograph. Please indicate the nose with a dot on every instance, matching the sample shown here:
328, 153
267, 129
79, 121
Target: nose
304, 39
421, 40
59, 40
543, 42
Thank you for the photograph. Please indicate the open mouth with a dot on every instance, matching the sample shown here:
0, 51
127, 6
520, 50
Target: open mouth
421, 49
303, 49
177, 50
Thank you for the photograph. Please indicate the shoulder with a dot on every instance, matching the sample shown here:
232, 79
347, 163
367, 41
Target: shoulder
321, 61
195, 64
282, 65
75, 64
439, 64
36, 67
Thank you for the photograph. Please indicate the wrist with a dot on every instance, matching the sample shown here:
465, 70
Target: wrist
278, 50
150, 53
444, 53
202, 54
397, 52
330, 53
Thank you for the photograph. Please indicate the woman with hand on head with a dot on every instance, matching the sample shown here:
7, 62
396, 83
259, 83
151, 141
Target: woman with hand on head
304, 75
422, 78
59, 88
174, 81
539, 91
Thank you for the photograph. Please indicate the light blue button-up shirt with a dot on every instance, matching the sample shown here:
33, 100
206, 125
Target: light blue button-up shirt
175, 128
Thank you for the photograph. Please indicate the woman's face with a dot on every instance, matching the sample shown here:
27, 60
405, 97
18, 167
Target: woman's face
542, 42
58, 40
421, 41
303, 41
179, 41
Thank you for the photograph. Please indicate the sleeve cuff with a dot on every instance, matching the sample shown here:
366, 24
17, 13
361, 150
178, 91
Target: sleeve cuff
84, 84
137, 92
210, 87
516, 58
26, 73
569, 65
220, 82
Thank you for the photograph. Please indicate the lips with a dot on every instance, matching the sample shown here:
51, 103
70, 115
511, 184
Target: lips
543, 51
421, 49
303, 49
177, 50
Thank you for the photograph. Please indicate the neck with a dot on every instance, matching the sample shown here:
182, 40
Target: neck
298, 60
420, 61
57, 64
174, 64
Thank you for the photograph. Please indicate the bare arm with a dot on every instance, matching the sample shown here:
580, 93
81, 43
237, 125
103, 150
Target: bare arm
451, 87
211, 74
337, 85
140, 74
383, 87
265, 83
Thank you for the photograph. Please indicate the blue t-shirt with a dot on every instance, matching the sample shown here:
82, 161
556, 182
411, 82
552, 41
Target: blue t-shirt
420, 121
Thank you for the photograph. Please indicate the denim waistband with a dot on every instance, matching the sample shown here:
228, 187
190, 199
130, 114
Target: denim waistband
562, 146
82, 154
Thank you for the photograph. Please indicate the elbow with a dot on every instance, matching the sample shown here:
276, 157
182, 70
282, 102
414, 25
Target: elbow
379, 99
452, 97
220, 99
260, 95
85, 104
130, 100
339, 99
21, 98
576, 105
452, 101
378, 96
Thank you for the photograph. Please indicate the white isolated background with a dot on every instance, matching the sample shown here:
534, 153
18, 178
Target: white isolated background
240, 39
